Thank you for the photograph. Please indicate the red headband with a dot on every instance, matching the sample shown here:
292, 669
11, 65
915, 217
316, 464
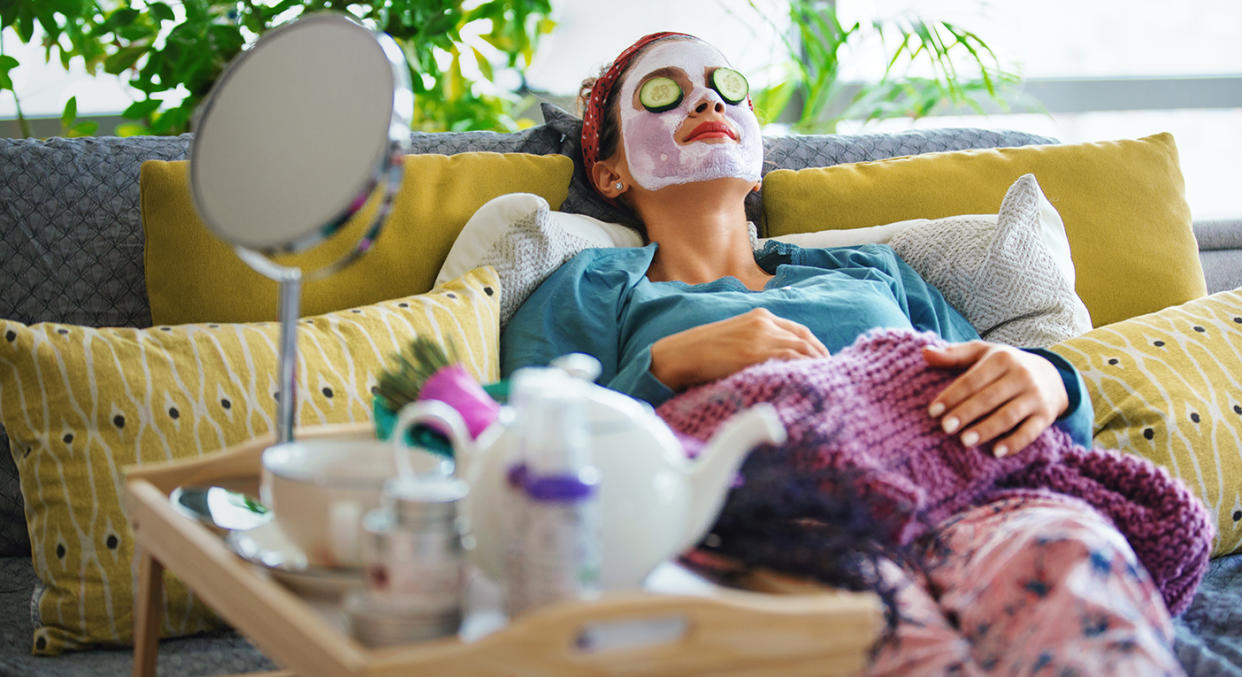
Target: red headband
593, 115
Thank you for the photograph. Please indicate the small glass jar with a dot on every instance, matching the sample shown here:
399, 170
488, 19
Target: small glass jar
414, 554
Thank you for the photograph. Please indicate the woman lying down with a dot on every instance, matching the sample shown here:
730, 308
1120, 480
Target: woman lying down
1038, 554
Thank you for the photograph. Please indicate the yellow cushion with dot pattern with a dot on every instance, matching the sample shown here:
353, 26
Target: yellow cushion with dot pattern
1168, 386
80, 403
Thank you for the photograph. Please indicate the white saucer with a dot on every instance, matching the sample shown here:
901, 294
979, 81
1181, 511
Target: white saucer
267, 546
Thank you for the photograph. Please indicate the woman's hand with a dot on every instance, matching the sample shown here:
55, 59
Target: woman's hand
1003, 392
718, 349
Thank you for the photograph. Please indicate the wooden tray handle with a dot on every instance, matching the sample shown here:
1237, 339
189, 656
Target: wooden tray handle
728, 633
239, 460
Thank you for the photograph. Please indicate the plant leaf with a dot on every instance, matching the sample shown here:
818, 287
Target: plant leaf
161, 11
87, 128
130, 129
70, 113
139, 110
227, 40
485, 66
124, 58
770, 102
123, 16
25, 26
7, 63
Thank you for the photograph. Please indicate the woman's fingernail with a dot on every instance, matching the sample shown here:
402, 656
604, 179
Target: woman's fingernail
935, 409
1000, 450
970, 439
950, 424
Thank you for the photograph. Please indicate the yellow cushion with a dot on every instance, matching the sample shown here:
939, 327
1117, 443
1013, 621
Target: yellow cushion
1168, 386
1123, 204
81, 403
192, 276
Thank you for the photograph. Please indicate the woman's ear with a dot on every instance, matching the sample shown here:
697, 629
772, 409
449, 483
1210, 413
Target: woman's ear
608, 181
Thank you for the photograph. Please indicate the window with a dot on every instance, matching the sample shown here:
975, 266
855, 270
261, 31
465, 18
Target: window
44, 88
1113, 69
589, 34
1106, 69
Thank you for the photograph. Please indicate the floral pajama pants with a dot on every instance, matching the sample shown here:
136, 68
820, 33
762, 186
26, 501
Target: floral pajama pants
1028, 586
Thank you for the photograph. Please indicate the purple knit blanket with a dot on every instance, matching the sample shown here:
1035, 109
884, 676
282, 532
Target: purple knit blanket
863, 411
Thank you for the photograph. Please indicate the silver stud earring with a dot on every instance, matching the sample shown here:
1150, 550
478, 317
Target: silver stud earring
619, 186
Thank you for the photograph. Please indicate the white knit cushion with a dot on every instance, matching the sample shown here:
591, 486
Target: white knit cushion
1009, 274
524, 240
1001, 277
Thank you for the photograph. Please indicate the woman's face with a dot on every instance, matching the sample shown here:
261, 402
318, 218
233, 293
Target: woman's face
702, 137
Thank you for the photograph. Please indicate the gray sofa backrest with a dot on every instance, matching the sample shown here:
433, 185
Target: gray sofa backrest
1220, 251
71, 234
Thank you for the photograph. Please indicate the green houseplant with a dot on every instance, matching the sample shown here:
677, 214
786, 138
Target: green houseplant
172, 52
930, 64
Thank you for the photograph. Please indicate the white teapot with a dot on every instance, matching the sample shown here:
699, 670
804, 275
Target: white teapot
655, 502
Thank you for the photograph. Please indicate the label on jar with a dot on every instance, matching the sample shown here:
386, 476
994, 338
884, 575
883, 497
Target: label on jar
420, 570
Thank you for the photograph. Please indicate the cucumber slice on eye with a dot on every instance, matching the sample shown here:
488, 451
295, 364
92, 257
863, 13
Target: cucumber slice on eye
730, 84
660, 94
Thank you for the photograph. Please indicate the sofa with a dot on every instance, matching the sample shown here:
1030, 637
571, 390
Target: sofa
73, 251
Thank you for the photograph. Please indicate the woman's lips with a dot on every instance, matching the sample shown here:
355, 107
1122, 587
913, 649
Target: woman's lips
712, 130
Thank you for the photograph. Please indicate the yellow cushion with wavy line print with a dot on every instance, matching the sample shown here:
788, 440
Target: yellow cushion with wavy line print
81, 403
1168, 386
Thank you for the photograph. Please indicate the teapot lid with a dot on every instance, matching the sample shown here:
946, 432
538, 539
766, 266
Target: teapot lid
578, 365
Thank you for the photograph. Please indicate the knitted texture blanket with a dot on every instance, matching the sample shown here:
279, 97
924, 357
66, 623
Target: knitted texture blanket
863, 412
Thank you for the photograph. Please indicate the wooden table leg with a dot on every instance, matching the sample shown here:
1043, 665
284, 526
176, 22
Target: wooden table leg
147, 614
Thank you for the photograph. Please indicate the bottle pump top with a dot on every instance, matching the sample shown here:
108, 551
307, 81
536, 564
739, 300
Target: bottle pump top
549, 404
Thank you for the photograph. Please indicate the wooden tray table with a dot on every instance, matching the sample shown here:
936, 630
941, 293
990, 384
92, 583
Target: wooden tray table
727, 632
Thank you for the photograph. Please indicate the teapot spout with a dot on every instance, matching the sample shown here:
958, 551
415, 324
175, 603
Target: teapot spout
713, 471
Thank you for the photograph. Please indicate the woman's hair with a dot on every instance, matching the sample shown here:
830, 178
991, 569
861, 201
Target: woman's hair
599, 105
609, 137
609, 125
609, 133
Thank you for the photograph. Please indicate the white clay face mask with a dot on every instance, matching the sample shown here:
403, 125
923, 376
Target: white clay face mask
655, 158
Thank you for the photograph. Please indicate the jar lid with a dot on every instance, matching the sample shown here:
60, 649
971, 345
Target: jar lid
422, 499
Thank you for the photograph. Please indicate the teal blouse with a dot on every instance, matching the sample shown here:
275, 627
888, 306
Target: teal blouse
601, 303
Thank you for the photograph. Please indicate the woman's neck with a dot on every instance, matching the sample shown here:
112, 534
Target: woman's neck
701, 236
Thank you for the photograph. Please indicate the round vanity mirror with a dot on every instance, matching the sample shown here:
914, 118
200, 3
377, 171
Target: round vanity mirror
302, 132
298, 133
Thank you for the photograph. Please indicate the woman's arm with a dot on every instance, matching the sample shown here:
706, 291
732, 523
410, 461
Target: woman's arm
1007, 395
712, 351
